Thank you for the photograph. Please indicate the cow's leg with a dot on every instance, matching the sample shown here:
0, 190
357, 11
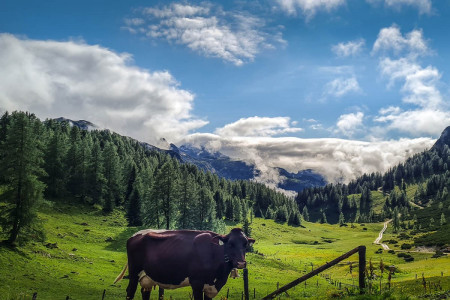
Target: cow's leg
197, 290
132, 286
206, 297
145, 294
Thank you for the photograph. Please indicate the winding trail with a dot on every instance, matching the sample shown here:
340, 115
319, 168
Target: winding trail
380, 236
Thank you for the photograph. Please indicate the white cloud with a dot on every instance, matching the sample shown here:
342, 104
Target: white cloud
417, 122
338, 160
424, 6
390, 110
235, 37
309, 7
420, 84
349, 124
429, 112
258, 126
351, 48
391, 39
80, 81
341, 86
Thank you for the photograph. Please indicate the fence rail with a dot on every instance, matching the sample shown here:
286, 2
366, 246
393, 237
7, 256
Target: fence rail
361, 250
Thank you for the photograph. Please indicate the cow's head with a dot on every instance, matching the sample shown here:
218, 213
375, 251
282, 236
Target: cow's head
236, 244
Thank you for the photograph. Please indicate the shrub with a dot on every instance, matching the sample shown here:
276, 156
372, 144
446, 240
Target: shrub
406, 246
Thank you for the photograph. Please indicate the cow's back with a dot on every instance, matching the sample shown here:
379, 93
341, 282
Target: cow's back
165, 255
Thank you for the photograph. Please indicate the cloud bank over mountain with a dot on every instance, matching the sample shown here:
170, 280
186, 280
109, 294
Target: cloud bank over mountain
338, 160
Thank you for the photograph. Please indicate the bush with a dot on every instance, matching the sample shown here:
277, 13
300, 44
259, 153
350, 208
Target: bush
403, 236
438, 254
391, 241
391, 251
408, 259
406, 246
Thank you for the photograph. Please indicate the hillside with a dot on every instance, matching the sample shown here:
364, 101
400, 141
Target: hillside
84, 250
413, 193
220, 164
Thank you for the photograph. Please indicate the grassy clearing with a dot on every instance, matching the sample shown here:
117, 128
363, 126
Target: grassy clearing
90, 253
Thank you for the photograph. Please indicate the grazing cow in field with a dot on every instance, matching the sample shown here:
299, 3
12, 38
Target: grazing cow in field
177, 258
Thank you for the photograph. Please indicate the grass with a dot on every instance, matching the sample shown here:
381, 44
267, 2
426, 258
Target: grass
90, 253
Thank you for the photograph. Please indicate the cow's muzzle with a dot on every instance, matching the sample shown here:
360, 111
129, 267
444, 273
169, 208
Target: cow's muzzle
241, 264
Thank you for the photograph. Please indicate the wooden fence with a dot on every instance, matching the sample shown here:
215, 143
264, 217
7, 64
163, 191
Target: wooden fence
361, 250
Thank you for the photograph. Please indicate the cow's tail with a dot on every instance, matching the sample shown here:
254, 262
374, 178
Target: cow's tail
119, 278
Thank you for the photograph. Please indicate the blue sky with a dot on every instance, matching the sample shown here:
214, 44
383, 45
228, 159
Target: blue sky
248, 78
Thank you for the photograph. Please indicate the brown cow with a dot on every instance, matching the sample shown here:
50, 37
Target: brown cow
177, 258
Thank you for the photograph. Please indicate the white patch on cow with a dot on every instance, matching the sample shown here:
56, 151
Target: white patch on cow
145, 231
184, 283
220, 242
147, 283
210, 290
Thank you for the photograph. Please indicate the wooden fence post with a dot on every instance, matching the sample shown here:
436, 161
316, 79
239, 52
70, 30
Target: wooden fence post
362, 259
34, 296
362, 268
246, 293
104, 293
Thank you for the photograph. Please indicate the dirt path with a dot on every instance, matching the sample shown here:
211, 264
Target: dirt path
380, 236
415, 205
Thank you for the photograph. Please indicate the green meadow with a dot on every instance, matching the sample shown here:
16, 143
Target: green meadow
84, 251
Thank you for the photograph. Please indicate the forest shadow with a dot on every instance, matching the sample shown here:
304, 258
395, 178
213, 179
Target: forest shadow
119, 242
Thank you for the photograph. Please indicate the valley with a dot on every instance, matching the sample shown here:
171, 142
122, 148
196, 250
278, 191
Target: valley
85, 251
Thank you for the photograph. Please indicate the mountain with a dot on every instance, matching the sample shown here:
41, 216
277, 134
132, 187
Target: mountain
82, 124
228, 168
300, 180
220, 164
443, 140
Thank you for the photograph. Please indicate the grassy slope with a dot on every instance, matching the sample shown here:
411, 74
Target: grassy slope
287, 254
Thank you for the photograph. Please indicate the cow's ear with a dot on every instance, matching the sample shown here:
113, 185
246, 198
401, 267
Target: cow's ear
220, 240
251, 241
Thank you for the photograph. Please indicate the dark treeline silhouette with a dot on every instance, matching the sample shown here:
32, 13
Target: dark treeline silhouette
56, 161
353, 202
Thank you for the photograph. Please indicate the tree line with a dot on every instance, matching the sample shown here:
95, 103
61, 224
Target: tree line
56, 161
352, 202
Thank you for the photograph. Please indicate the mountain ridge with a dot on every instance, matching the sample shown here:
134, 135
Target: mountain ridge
221, 164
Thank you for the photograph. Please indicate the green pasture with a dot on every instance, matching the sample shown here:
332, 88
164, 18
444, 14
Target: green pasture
90, 253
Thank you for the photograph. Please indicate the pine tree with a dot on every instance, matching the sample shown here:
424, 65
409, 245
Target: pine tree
205, 210
96, 178
237, 209
112, 176
341, 219
188, 201
134, 205
55, 165
130, 183
396, 220
305, 214
282, 214
166, 190
246, 227
21, 165
324, 218
443, 221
